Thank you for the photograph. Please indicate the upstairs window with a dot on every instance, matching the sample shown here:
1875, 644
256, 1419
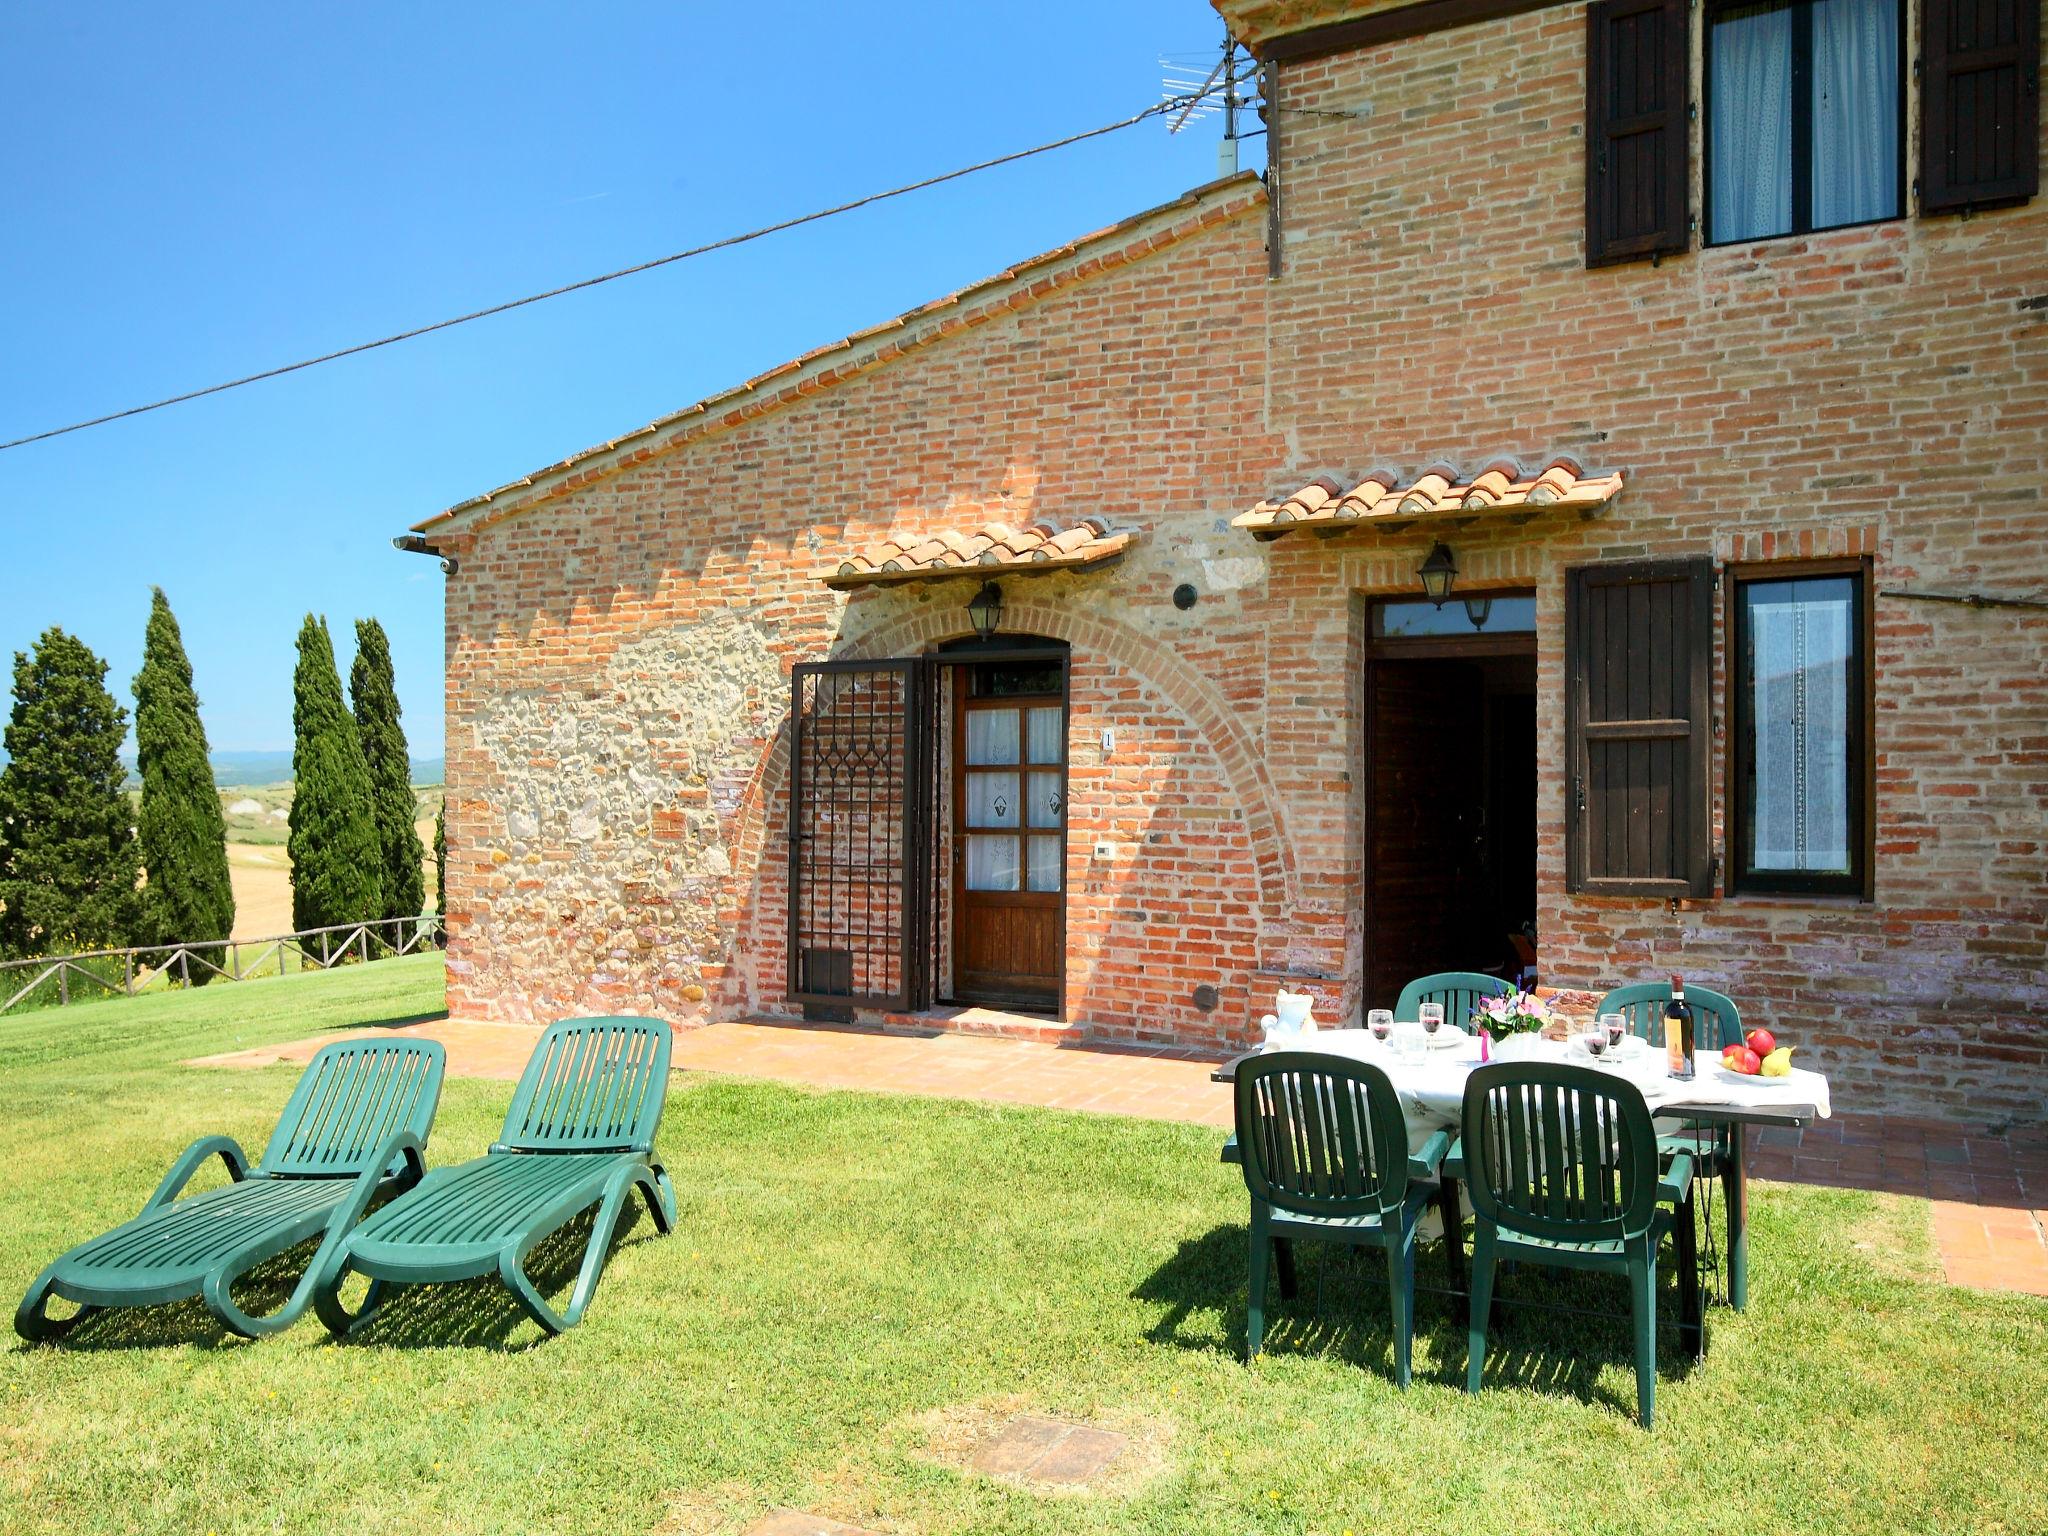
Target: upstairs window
1804, 114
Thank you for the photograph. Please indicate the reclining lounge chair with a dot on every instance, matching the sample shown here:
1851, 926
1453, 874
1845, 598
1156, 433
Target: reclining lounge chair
580, 1133
355, 1129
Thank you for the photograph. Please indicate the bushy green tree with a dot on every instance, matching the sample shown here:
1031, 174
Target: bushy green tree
333, 843
184, 841
373, 691
68, 861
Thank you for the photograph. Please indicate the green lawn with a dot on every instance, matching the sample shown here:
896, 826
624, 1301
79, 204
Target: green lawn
860, 1285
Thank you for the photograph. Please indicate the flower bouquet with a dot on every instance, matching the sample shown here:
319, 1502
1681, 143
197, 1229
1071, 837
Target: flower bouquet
1518, 1013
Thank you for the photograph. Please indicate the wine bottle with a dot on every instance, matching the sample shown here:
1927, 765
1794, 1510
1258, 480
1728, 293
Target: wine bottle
1678, 1044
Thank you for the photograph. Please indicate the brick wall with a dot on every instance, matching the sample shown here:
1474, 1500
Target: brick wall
619, 647
1880, 390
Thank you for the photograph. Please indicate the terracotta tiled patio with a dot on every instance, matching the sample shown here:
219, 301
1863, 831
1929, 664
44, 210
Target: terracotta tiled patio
1990, 1191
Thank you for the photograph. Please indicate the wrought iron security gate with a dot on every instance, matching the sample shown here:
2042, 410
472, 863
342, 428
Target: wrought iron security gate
864, 767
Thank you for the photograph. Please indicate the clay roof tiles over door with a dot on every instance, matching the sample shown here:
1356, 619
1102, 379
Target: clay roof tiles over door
993, 550
1389, 502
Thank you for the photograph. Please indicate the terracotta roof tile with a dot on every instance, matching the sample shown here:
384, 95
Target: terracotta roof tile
1384, 500
994, 548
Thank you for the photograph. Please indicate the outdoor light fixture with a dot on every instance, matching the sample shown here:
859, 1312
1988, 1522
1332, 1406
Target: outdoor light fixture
986, 611
1437, 573
1478, 609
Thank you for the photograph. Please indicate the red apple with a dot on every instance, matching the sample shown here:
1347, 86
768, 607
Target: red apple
1762, 1041
1747, 1062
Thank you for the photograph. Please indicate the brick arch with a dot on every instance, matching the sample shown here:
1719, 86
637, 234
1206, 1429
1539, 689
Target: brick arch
1182, 687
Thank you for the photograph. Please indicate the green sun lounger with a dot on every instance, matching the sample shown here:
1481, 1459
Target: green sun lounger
580, 1133
355, 1128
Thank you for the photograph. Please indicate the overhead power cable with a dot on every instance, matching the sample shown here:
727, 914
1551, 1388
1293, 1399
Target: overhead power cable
1158, 109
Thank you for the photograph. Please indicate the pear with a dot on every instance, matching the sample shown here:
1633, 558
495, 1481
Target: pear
1778, 1063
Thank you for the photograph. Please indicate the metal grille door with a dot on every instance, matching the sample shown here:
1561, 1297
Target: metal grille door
862, 792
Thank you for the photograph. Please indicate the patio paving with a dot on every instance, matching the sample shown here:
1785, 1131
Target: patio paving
1989, 1190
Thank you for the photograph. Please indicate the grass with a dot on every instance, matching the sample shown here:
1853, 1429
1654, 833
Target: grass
861, 1285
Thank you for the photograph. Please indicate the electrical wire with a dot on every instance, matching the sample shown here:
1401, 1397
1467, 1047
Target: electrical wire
1158, 109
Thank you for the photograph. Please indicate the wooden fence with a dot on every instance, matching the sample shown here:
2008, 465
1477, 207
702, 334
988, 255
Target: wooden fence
317, 948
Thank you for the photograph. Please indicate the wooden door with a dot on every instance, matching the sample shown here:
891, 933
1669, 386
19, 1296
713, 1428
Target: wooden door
1425, 824
1009, 846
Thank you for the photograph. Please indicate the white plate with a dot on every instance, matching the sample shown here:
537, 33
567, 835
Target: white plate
1448, 1037
1756, 1078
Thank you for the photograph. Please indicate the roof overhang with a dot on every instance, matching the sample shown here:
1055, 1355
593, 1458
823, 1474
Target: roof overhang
994, 551
1384, 502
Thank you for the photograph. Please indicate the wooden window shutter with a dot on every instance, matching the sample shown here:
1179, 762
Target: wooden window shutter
1638, 55
1639, 650
1980, 103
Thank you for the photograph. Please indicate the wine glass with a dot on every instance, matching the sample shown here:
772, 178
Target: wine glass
1614, 1026
1381, 1022
1432, 1018
1596, 1042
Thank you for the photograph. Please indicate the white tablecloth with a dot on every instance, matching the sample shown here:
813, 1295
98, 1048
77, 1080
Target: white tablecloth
1433, 1090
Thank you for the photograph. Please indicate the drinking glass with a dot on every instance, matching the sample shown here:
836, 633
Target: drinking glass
1596, 1042
1432, 1017
1381, 1022
1614, 1026
1409, 1044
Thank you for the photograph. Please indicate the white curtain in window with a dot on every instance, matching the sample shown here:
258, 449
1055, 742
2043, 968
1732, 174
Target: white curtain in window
992, 799
992, 736
991, 863
1045, 743
1855, 111
1799, 639
1749, 123
1044, 871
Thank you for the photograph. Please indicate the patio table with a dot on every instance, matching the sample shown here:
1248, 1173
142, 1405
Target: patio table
1432, 1095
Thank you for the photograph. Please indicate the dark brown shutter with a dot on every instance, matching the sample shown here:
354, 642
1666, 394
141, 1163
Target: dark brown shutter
1639, 646
1637, 64
1980, 103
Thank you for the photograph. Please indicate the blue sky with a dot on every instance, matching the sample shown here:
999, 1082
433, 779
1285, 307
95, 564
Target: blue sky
197, 192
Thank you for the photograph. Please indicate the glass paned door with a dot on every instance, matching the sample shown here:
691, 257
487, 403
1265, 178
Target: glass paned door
1009, 840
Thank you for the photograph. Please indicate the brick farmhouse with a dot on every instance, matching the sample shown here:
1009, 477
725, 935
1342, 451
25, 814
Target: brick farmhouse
1713, 434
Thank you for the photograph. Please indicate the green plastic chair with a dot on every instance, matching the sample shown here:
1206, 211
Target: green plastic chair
1561, 1164
1325, 1156
354, 1130
1717, 1022
1458, 991
580, 1133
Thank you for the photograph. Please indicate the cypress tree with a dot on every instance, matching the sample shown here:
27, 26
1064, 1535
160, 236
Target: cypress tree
441, 860
68, 861
333, 843
182, 837
373, 691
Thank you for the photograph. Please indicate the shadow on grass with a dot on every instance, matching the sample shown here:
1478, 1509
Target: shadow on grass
473, 1313
397, 1021
1343, 1312
482, 1313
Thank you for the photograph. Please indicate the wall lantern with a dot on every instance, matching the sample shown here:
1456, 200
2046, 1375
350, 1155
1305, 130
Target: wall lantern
1437, 573
1478, 610
986, 611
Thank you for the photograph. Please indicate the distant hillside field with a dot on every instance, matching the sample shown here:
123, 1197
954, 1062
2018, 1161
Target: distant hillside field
276, 768
258, 820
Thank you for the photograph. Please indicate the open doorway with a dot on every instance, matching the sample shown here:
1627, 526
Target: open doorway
1450, 788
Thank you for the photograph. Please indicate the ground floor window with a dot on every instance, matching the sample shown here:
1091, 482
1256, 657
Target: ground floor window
1799, 758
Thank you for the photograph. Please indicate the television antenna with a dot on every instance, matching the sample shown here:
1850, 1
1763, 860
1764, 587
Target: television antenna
1214, 93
